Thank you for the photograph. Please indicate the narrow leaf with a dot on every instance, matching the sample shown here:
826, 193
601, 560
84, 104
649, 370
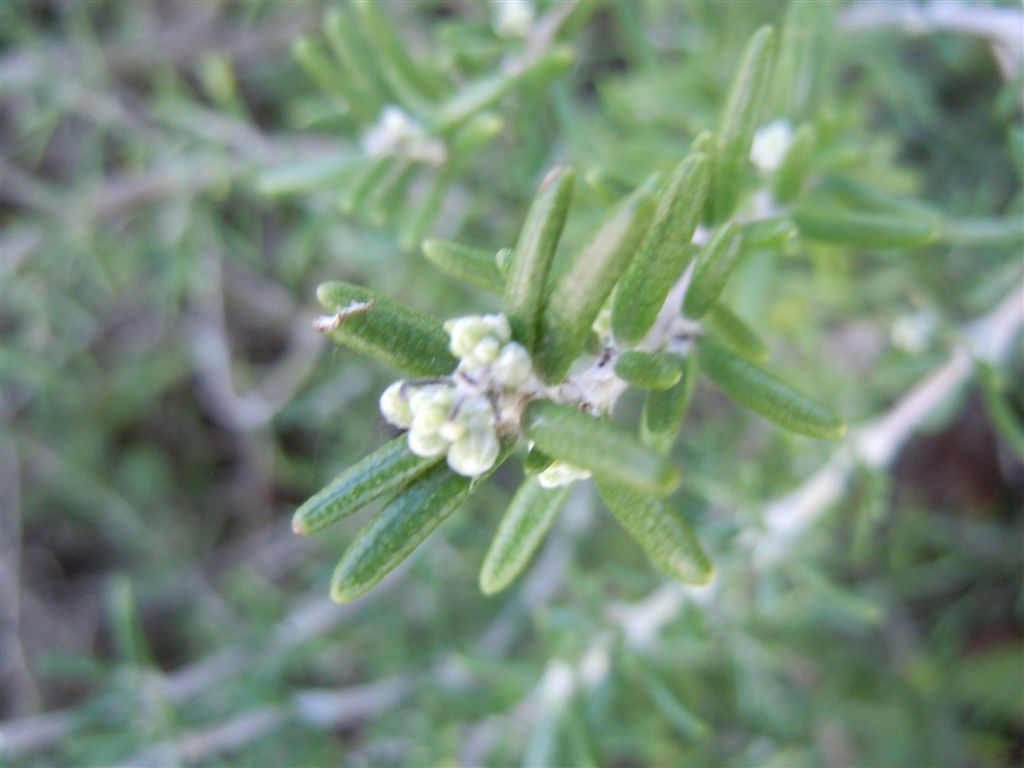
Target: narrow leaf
327, 75
714, 266
306, 175
665, 410
529, 518
538, 239
390, 193
385, 470
733, 331
401, 527
739, 121
387, 331
664, 252
764, 394
870, 230
482, 94
536, 461
644, 370
358, 67
766, 234
583, 286
363, 185
469, 140
470, 265
597, 445
985, 233
664, 535
789, 178
412, 81
803, 46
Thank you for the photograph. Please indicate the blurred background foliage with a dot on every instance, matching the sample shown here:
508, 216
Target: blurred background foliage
166, 406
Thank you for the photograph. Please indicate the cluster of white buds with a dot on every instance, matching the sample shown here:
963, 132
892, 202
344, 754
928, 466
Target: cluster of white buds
561, 473
440, 420
397, 133
457, 416
482, 344
771, 142
512, 18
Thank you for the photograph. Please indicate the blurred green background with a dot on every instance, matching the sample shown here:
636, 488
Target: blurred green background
166, 405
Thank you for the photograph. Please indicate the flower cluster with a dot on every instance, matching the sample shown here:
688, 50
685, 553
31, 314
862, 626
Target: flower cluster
457, 417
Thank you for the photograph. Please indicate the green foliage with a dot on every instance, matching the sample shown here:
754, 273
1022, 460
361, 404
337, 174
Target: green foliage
176, 183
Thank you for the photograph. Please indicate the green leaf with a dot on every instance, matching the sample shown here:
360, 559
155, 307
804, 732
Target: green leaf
664, 535
538, 240
385, 470
470, 265
803, 46
734, 332
871, 230
306, 175
536, 461
486, 92
664, 252
387, 331
328, 75
529, 518
1007, 423
739, 121
714, 266
665, 410
764, 394
645, 370
583, 286
390, 193
363, 185
413, 82
767, 234
358, 65
597, 445
985, 233
469, 140
401, 527
789, 178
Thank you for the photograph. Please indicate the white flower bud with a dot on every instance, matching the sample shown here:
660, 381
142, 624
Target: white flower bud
394, 405
452, 430
467, 332
430, 407
426, 444
486, 350
561, 473
512, 18
474, 453
513, 366
476, 413
771, 142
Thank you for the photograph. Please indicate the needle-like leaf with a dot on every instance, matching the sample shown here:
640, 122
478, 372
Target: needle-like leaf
597, 445
385, 470
401, 527
470, 265
714, 266
765, 394
385, 330
581, 289
664, 253
663, 534
538, 239
529, 517
645, 370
